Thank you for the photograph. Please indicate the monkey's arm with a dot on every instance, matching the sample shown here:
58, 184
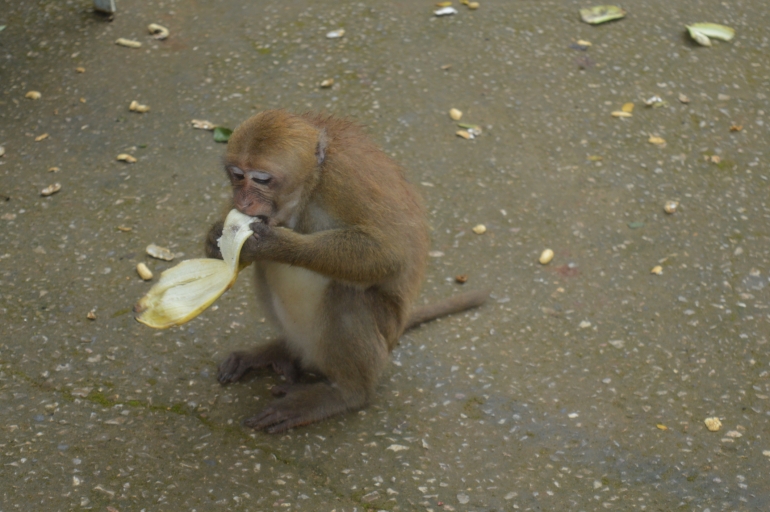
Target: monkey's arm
349, 254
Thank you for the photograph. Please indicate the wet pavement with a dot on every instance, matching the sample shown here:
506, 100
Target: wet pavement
582, 385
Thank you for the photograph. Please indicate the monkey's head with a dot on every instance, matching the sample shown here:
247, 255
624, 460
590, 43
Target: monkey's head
273, 161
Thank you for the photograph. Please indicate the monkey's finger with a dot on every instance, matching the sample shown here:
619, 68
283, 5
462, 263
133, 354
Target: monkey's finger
297, 421
212, 240
250, 250
251, 244
266, 418
277, 419
233, 368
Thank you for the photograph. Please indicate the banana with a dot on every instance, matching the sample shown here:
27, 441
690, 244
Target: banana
186, 290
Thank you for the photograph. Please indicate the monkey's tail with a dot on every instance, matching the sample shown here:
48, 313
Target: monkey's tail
453, 304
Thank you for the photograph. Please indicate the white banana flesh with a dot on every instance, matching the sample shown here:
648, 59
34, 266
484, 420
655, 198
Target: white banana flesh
186, 290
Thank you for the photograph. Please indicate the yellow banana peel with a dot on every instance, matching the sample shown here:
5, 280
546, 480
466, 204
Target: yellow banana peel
186, 290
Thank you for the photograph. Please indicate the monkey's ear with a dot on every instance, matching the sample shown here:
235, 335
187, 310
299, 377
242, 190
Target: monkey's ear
320, 150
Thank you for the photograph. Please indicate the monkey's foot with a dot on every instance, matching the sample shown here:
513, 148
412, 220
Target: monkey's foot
302, 404
234, 367
274, 355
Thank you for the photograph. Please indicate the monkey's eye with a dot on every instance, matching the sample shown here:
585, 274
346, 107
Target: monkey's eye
259, 177
236, 173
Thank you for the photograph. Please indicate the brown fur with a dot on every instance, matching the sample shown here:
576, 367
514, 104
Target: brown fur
339, 259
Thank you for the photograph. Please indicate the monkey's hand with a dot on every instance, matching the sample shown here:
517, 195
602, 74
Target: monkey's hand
254, 248
212, 240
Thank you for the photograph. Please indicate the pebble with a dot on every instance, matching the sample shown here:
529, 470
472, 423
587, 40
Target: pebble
202, 124
158, 31
653, 101
445, 11
465, 134
33, 95
144, 272
479, 229
657, 270
128, 43
50, 190
135, 106
713, 424
670, 207
160, 253
455, 114
546, 256
658, 141
125, 157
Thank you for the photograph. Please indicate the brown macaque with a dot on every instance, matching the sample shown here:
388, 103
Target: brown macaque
339, 250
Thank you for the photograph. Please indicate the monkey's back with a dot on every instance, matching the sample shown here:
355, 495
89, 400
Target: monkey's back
364, 187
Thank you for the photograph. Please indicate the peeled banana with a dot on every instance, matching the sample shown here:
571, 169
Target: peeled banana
186, 290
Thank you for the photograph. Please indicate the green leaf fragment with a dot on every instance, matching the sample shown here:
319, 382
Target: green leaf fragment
222, 134
469, 126
601, 13
635, 225
702, 31
2, 27
714, 30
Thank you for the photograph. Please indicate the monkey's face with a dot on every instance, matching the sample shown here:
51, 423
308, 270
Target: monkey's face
272, 159
269, 189
253, 191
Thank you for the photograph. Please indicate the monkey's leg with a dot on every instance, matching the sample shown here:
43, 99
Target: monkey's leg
351, 355
274, 354
303, 404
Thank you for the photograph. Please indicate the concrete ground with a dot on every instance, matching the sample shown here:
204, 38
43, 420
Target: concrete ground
582, 385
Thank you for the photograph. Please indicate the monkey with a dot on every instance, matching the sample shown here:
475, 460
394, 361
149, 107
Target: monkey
340, 247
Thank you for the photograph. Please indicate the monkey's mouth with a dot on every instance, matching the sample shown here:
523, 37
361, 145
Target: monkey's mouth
263, 218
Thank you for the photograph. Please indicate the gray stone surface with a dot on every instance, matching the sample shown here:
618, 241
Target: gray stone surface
582, 385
